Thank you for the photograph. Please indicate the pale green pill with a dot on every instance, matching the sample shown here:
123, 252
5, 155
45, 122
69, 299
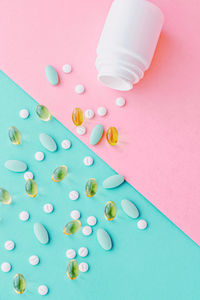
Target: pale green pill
104, 239
31, 188
19, 283
72, 227
72, 269
5, 197
91, 187
52, 75
130, 209
110, 210
43, 113
16, 165
41, 233
113, 181
96, 134
14, 135
48, 142
59, 173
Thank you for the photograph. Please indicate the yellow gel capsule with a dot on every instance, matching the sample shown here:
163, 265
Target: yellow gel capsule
110, 210
91, 187
72, 227
112, 136
77, 116
5, 197
14, 135
19, 283
43, 113
31, 188
59, 173
72, 269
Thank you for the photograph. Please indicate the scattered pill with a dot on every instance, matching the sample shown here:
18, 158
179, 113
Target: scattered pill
96, 134
52, 75
48, 142
130, 209
89, 114
110, 210
24, 216
16, 166
88, 161
120, 101
87, 230
34, 260
41, 233
66, 144
43, 290
104, 239
14, 135
83, 267
91, 187
31, 188
83, 251
67, 68
9, 245
112, 136
5, 267
75, 214
71, 253
39, 156
19, 283
77, 116
72, 227
79, 89
101, 111
24, 113
28, 175
72, 269
48, 208
59, 173
5, 197
142, 224
43, 113
113, 181
91, 221
81, 130
73, 195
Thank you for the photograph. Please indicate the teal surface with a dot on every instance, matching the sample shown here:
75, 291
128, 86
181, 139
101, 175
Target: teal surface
160, 263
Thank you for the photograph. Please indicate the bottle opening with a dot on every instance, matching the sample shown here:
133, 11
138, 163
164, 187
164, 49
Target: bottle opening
116, 83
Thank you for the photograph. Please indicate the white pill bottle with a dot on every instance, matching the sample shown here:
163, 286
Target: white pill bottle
128, 42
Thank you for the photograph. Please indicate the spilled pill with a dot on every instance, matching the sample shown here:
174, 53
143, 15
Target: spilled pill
104, 239
96, 134
31, 188
47, 142
14, 135
41, 233
113, 181
72, 227
43, 112
19, 283
5, 197
130, 209
16, 165
72, 269
51, 74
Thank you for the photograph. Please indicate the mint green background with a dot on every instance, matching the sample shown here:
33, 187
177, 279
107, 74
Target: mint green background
161, 263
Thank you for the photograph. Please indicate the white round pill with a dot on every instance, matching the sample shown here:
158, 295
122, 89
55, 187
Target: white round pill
83, 267
5, 267
89, 114
73, 195
83, 251
88, 161
142, 224
39, 156
34, 260
67, 68
71, 253
43, 290
24, 216
91, 221
28, 175
24, 113
66, 144
75, 214
102, 111
120, 101
87, 230
79, 89
9, 245
48, 208
81, 130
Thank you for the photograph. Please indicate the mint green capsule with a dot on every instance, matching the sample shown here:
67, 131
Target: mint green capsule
52, 75
110, 210
91, 187
31, 188
19, 283
59, 173
96, 134
16, 165
72, 227
104, 239
72, 269
5, 197
14, 135
41, 233
43, 113
113, 181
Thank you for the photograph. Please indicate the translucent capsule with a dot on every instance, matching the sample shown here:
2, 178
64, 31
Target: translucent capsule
77, 116
31, 188
91, 187
14, 135
72, 227
110, 210
43, 113
5, 197
19, 283
112, 136
59, 173
72, 269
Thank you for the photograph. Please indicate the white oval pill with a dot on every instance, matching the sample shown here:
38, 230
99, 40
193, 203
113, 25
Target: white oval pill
5, 267
120, 101
34, 260
83, 267
71, 253
101, 111
91, 221
67, 68
81, 130
48, 208
73, 195
88, 161
75, 214
66, 144
87, 230
142, 224
24, 216
83, 251
28, 175
43, 290
9, 245
24, 113
79, 89
39, 156
89, 114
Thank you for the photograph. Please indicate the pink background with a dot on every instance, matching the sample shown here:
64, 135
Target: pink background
159, 148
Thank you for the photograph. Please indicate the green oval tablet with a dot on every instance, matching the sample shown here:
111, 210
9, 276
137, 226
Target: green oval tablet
110, 210
31, 188
113, 181
43, 113
52, 75
91, 187
19, 283
130, 209
5, 197
41, 233
96, 134
104, 239
16, 165
14, 135
72, 227
48, 142
59, 173
72, 269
